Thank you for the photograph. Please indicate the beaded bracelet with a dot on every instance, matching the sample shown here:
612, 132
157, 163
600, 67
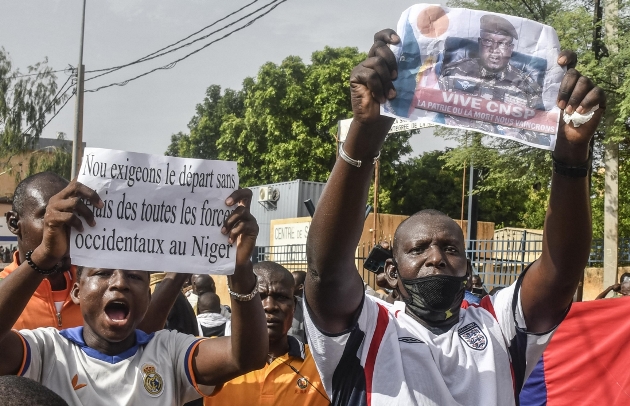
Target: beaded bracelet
37, 269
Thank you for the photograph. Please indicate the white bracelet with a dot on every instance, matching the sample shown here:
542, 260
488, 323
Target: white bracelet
244, 298
355, 162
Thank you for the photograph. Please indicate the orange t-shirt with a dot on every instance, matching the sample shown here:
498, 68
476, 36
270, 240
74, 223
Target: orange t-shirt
291, 379
40, 310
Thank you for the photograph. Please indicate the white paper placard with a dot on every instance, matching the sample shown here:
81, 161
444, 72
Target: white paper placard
161, 213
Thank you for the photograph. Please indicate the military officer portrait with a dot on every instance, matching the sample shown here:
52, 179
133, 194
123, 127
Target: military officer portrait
492, 77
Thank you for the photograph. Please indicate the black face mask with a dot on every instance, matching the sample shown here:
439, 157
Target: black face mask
436, 299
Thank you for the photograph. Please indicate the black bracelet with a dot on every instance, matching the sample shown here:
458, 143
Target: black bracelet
37, 269
580, 171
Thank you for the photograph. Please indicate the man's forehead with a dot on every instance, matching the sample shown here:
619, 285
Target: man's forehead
38, 194
275, 282
496, 36
430, 226
90, 271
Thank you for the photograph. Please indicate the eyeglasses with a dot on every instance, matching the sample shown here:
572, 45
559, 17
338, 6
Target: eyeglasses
502, 45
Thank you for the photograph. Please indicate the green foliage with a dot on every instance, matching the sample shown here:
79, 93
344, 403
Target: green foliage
425, 182
25, 102
205, 126
597, 201
282, 125
524, 171
56, 159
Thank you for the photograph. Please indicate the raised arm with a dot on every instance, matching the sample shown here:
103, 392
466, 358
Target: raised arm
614, 288
333, 287
549, 285
162, 301
218, 360
16, 290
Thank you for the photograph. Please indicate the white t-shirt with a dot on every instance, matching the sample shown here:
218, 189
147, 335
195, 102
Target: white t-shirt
390, 359
156, 371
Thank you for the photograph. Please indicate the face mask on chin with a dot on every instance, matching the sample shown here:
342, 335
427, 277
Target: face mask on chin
435, 299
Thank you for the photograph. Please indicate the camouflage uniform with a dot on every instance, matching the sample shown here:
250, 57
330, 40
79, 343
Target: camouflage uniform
509, 86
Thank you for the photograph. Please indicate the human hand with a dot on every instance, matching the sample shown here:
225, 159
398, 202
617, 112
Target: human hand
241, 227
577, 94
62, 214
371, 80
616, 287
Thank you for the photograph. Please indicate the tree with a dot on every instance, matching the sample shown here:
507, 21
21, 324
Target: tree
281, 125
205, 126
55, 159
25, 102
514, 167
425, 183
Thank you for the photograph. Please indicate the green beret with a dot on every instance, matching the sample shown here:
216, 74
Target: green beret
498, 25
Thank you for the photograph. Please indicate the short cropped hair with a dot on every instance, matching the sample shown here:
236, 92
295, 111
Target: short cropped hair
425, 212
299, 276
45, 179
269, 268
20, 391
209, 302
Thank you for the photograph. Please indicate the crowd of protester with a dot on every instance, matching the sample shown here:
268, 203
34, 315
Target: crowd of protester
429, 335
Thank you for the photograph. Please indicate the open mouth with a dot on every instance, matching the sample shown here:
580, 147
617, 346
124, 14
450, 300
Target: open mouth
117, 311
273, 321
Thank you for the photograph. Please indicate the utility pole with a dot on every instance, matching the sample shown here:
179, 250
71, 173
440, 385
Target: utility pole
471, 229
77, 139
377, 170
611, 164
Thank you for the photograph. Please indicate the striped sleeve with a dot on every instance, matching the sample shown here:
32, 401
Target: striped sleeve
185, 346
31, 366
525, 348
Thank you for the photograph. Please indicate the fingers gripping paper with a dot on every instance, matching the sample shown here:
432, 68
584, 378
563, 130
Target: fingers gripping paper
476, 70
160, 213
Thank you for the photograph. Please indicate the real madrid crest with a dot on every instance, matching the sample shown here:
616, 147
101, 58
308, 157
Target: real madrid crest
153, 382
302, 383
473, 336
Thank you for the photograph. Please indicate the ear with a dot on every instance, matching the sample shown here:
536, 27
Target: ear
74, 293
391, 273
13, 222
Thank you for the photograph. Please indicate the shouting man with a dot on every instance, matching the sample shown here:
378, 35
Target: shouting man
108, 361
432, 348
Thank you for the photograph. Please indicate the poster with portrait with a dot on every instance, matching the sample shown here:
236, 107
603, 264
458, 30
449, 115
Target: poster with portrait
480, 71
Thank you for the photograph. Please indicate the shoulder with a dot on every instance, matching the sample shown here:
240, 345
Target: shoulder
525, 79
8, 269
484, 306
462, 64
167, 336
172, 341
44, 332
45, 340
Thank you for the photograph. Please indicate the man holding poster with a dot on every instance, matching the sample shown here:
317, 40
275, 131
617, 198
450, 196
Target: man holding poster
108, 361
432, 347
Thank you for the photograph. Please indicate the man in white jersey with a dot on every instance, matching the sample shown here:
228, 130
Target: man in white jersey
432, 348
108, 361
